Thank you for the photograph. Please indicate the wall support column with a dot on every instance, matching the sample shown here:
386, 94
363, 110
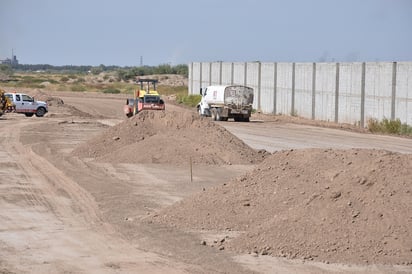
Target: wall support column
210, 73
232, 76
275, 87
362, 114
313, 91
191, 91
200, 74
337, 94
293, 112
220, 73
393, 105
245, 81
259, 85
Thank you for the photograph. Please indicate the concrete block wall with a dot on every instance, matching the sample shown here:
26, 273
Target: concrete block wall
403, 96
340, 92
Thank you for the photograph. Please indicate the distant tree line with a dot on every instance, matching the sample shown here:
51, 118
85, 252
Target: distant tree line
131, 73
124, 73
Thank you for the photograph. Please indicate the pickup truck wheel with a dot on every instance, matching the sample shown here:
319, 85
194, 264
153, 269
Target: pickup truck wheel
40, 112
28, 114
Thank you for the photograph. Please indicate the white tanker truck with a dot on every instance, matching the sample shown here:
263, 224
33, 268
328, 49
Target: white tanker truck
224, 102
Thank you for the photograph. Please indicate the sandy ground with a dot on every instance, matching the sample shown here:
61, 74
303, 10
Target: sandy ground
61, 213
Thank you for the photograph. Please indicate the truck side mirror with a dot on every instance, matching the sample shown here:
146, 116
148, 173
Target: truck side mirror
201, 91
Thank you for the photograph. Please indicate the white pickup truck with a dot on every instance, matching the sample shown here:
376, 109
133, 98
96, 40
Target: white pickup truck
26, 104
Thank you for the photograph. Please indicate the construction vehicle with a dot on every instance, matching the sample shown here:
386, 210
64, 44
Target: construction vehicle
25, 104
224, 102
6, 105
146, 97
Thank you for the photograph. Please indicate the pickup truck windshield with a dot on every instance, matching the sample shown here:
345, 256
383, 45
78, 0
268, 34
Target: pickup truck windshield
27, 98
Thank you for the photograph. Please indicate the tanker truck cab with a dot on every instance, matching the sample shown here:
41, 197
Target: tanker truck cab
26, 104
224, 102
203, 106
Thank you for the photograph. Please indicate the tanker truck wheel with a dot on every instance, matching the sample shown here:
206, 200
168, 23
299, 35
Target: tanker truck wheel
213, 112
218, 117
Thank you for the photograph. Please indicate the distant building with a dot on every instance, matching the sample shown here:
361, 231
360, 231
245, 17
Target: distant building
13, 61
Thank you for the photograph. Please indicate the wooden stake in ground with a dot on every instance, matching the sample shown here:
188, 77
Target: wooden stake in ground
191, 170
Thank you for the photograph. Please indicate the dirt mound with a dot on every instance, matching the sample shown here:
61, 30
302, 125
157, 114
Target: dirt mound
169, 137
50, 100
347, 206
58, 106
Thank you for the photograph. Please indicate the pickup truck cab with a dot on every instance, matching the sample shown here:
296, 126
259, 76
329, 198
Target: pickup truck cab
26, 104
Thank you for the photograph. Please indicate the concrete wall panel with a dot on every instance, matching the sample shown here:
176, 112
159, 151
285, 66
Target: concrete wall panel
194, 82
325, 91
206, 80
350, 79
215, 73
284, 89
378, 90
403, 101
267, 88
303, 89
252, 80
226, 73
239, 73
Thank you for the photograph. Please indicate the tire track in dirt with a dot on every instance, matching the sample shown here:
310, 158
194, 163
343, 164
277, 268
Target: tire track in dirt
43, 172
52, 223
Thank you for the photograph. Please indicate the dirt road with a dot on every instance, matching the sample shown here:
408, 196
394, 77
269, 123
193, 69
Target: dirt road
62, 214
274, 136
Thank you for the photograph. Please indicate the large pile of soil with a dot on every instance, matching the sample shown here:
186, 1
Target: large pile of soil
169, 137
348, 206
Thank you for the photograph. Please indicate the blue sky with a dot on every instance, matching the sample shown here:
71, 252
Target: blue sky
94, 32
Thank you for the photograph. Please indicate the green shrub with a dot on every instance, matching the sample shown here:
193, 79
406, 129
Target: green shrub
52, 81
62, 88
374, 125
77, 88
389, 126
188, 100
392, 126
406, 130
111, 90
64, 79
170, 90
